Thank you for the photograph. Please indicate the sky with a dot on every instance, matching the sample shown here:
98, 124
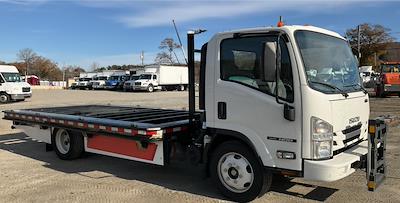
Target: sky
81, 32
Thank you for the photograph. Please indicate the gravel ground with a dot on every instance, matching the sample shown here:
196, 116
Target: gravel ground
29, 174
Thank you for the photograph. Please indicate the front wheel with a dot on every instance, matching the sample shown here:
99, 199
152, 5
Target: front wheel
68, 145
150, 88
4, 98
237, 172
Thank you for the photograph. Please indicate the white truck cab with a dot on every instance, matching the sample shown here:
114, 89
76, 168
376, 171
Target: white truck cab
130, 83
11, 86
293, 94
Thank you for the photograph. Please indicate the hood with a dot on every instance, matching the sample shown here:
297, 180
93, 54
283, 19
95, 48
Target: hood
112, 82
350, 119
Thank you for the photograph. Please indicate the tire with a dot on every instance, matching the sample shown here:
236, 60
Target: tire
150, 88
4, 98
226, 166
68, 145
181, 88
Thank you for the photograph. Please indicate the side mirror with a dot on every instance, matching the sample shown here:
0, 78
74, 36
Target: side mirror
269, 61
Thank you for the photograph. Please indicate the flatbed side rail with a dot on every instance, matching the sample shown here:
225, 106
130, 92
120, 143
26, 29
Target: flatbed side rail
376, 163
150, 132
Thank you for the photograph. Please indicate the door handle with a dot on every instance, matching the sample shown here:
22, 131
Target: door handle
221, 110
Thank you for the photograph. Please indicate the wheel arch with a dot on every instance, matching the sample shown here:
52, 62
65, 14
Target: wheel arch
220, 136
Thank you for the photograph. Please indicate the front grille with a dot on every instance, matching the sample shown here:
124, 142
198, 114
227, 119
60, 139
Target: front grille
352, 133
127, 84
26, 89
351, 129
138, 83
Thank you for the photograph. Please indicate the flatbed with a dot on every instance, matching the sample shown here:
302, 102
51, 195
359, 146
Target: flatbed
108, 128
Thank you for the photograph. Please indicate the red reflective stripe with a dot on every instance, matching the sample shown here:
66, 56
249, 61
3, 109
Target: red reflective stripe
151, 133
135, 132
108, 128
121, 130
96, 126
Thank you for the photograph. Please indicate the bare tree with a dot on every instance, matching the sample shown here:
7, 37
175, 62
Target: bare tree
168, 47
373, 40
164, 58
27, 55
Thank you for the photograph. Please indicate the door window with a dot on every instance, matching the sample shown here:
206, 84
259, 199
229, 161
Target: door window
241, 62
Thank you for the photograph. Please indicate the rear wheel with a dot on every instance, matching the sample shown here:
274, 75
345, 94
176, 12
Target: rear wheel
4, 98
181, 88
237, 172
68, 145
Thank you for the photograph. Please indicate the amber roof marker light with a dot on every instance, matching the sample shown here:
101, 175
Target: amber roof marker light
280, 23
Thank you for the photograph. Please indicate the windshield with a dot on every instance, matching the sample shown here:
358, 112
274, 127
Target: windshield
85, 79
114, 77
102, 78
145, 76
135, 77
12, 77
391, 68
329, 63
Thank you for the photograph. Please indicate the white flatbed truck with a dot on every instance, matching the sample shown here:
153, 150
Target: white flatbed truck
267, 105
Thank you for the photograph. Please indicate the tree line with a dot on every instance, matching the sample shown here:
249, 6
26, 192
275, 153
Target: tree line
374, 40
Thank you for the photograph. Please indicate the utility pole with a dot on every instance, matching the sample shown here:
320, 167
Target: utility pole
142, 57
358, 42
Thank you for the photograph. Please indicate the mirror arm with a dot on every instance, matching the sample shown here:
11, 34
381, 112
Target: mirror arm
278, 67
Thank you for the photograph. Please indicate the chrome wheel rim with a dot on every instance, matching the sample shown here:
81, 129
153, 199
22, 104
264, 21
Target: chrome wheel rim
3, 98
235, 172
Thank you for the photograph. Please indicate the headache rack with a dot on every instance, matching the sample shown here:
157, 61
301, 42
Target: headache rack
134, 122
376, 164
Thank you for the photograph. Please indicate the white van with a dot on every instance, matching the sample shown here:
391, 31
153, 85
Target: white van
11, 86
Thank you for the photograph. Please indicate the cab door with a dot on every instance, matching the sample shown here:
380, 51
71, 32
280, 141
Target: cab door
245, 103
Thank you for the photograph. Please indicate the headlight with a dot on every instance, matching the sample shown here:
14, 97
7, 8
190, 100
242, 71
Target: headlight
321, 138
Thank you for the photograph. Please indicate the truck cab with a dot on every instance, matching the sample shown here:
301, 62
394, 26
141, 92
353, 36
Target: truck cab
99, 82
292, 95
11, 86
130, 83
146, 82
115, 82
389, 80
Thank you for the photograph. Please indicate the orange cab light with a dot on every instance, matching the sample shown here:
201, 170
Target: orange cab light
280, 23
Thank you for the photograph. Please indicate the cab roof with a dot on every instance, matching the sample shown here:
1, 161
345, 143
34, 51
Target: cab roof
287, 29
8, 69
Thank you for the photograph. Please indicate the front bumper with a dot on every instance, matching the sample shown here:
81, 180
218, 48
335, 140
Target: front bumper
139, 88
20, 96
391, 88
336, 168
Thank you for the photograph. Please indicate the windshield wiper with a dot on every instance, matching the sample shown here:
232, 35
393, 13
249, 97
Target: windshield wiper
331, 86
361, 87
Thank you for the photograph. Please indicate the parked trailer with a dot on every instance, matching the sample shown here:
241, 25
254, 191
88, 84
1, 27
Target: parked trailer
162, 77
267, 105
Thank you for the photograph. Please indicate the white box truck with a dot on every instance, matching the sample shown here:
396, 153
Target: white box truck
12, 88
84, 80
266, 105
162, 77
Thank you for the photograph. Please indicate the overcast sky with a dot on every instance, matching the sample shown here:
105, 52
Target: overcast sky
80, 32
